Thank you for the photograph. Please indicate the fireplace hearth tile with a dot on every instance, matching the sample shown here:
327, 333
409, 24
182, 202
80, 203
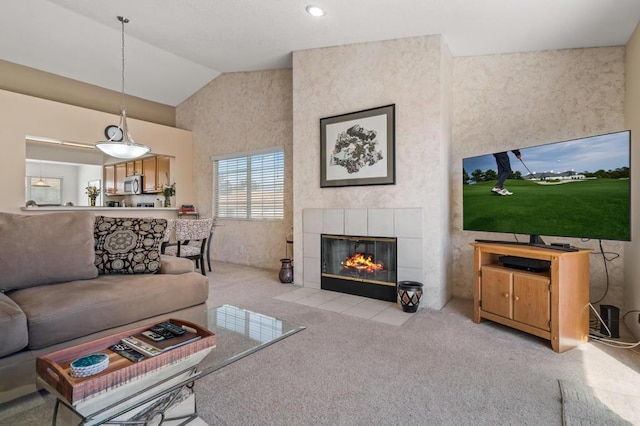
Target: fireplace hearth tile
373, 304
318, 298
342, 303
347, 304
359, 312
393, 315
295, 295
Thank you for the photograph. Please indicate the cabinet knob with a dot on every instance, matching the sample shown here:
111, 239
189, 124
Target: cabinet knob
506, 295
516, 298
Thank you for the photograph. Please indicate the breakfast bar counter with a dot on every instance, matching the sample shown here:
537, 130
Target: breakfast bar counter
159, 212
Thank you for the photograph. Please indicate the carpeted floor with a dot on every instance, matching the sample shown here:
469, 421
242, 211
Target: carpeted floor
438, 368
584, 405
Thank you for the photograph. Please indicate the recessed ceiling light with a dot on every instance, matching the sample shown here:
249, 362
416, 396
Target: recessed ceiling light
315, 11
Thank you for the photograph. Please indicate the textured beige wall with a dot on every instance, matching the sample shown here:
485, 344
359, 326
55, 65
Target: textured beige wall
22, 115
343, 79
523, 99
33, 82
235, 113
632, 121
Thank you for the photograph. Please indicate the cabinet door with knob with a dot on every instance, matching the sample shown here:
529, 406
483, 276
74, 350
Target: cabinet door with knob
532, 300
520, 296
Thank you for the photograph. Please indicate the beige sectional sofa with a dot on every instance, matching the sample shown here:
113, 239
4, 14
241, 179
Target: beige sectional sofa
67, 278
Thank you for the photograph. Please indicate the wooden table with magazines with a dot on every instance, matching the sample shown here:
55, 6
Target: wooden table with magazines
158, 389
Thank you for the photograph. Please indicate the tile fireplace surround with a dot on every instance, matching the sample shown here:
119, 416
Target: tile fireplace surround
404, 224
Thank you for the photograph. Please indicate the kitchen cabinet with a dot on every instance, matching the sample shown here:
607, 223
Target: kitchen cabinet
156, 171
163, 171
134, 167
150, 174
121, 173
552, 304
110, 179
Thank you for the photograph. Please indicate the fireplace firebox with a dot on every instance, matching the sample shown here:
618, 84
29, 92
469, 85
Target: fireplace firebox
364, 266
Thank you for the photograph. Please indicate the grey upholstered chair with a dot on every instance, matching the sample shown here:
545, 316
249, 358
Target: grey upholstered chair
188, 231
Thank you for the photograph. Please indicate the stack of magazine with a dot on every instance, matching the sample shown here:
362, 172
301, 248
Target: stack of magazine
149, 343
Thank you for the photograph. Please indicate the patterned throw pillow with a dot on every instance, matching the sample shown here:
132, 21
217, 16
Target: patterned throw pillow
128, 245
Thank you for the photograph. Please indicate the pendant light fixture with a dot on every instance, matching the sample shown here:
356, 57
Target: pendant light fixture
126, 148
41, 183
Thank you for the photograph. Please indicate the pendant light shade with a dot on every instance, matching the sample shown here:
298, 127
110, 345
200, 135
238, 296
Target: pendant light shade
41, 183
127, 148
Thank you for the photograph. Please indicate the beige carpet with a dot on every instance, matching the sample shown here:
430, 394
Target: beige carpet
585, 405
438, 368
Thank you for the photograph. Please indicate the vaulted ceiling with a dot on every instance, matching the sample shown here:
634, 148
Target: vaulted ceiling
174, 47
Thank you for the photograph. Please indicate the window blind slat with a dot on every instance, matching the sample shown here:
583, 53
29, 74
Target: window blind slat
250, 187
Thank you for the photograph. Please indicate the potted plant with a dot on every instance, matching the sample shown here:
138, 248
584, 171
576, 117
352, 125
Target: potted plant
92, 192
168, 191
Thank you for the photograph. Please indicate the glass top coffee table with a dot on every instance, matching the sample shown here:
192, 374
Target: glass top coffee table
167, 395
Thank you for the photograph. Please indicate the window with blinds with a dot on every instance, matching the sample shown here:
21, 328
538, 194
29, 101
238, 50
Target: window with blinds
250, 186
44, 196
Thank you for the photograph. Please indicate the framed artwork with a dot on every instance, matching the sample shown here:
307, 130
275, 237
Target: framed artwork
358, 148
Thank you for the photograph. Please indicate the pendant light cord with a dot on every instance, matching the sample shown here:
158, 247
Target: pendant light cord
127, 139
123, 20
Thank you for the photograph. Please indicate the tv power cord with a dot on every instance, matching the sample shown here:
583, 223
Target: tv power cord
607, 340
605, 259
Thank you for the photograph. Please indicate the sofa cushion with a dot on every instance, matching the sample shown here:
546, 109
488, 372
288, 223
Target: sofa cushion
175, 265
13, 327
128, 245
44, 249
61, 312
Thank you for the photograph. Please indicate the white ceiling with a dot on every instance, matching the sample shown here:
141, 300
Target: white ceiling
174, 47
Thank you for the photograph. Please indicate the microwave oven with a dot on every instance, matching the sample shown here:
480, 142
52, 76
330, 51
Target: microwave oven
133, 184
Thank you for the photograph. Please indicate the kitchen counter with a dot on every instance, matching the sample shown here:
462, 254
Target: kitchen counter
160, 212
100, 208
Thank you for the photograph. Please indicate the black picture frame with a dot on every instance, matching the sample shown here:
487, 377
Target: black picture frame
358, 148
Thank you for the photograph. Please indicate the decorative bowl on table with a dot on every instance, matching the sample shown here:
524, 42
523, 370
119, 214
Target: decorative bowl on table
89, 365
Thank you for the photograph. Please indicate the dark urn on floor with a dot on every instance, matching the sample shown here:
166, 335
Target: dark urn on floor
409, 293
286, 271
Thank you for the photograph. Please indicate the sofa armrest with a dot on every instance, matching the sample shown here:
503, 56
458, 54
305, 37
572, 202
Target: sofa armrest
175, 265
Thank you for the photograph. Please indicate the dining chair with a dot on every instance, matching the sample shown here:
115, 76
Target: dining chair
188, 231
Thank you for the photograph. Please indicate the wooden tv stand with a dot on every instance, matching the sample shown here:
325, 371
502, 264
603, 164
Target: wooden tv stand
553, 304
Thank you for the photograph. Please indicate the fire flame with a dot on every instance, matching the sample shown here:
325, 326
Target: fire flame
360, 262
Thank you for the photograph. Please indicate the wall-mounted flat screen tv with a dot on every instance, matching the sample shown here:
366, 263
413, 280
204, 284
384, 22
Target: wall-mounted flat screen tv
577, 188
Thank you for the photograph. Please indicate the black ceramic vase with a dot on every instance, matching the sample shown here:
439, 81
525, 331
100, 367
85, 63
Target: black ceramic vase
409, 293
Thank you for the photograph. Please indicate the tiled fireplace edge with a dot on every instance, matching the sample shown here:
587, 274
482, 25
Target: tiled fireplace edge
405, 224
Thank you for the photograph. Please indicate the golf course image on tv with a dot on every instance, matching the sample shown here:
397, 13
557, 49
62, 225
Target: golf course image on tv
578, 188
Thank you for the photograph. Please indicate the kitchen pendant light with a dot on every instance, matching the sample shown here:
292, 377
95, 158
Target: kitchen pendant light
127, 148
41, 183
